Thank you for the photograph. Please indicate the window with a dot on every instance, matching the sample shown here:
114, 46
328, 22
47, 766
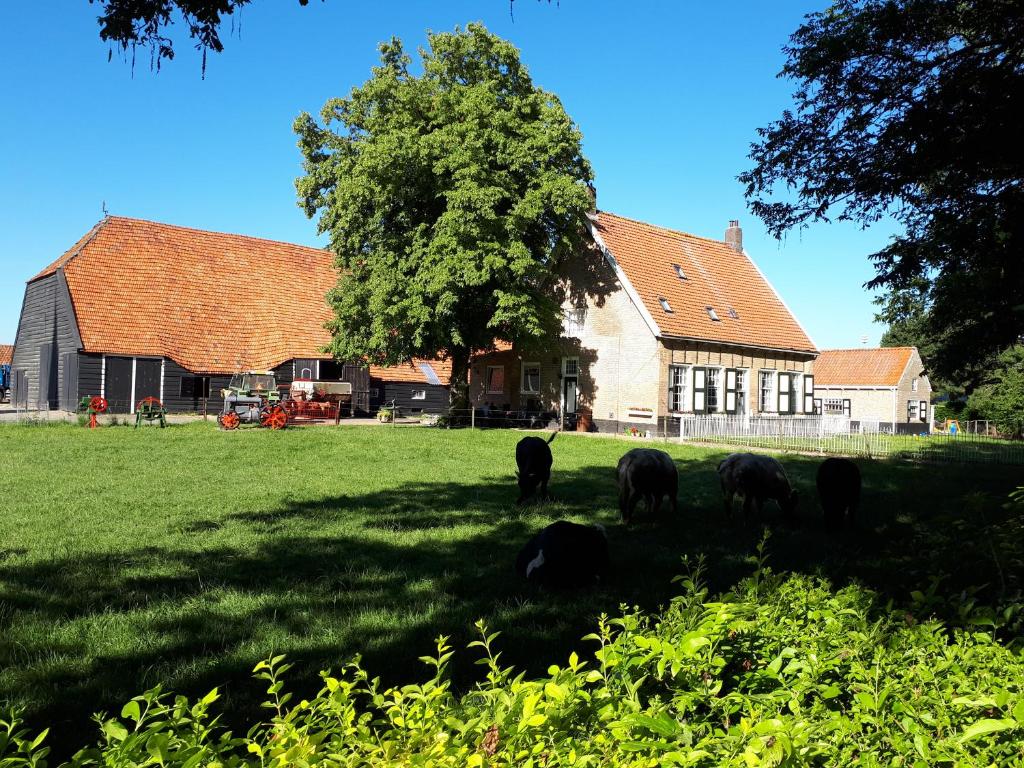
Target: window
664, 304
832, 406
923, 410
570, 366
677, 387
495, 379
912, 410
766, 392
913, 384
573, 320
741, 391
531, 378
711, 394
195, 387
713, 315
679, 271
419, 394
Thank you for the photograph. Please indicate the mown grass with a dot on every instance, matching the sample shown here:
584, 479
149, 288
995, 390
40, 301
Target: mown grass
183, 556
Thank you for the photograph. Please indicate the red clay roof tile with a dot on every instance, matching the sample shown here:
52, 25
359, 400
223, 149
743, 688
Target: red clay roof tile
749, 310
871, 367
6, 353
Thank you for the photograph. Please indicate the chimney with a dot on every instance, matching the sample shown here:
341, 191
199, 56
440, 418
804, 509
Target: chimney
734, 236
592, 194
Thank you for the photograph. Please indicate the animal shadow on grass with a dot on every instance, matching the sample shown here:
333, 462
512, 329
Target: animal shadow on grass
383, 574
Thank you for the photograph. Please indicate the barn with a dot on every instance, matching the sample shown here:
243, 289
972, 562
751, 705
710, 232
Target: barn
138, 308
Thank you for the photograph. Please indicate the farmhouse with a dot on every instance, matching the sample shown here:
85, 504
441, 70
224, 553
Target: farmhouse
136, 308
883, 388
659, 326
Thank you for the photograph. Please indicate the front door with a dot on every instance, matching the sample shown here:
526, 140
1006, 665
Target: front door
570, 394
147, 379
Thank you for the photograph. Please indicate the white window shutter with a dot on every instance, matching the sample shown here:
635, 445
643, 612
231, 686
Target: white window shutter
699, 389
847, 410
785, 393
808, 393
730, 390
923, 410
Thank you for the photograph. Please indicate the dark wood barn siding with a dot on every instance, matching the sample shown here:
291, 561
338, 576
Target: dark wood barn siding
401, 392
90, 375
176, 402
47, 327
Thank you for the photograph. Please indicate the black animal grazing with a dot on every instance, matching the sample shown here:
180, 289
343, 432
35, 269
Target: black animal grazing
648, 474
533, 457
838, 490
565, 555
756, 478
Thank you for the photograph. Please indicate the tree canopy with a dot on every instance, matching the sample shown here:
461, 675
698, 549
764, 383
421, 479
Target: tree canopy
451, 199
1001, 396
910, 109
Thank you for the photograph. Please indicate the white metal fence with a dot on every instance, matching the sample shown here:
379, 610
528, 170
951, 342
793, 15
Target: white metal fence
836, 435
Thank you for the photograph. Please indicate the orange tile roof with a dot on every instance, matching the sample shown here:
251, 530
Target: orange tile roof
6, 353
415, 372
878, 367
212, 302
716, 277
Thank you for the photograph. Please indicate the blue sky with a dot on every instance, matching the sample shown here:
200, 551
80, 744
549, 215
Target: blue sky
668, 95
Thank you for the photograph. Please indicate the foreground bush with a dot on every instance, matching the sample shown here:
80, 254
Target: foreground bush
782, 671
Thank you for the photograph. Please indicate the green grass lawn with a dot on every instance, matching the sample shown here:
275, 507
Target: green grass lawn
183, 556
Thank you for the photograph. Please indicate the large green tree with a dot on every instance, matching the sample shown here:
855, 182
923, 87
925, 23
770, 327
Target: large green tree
1001, 396
451, 198
911, 109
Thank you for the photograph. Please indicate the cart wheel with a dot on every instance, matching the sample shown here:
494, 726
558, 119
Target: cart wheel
228, 420
265, 412
277, 417
98, 404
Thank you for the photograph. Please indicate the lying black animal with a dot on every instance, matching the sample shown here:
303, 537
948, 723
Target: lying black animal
838, 490
565, 555
533, 457
648, 474
756, 478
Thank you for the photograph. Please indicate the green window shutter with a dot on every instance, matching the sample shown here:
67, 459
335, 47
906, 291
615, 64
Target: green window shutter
700, 385
730, 390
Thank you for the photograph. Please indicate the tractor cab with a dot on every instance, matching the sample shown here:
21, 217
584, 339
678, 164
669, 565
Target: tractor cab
252, 398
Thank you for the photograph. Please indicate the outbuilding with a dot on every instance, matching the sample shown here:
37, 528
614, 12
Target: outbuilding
138, 308
883, 388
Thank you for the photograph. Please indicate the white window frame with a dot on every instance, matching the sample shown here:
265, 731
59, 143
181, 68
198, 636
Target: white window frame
742, 392
913, 384
487, 380
911, 410
573, 320
773, 388
522, 379
575, 366
681, 390
719, 389
832, 406
418, 394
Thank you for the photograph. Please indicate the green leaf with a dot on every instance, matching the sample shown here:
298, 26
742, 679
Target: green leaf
986, 726
131, 711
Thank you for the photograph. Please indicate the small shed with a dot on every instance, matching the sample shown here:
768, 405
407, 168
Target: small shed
883, 388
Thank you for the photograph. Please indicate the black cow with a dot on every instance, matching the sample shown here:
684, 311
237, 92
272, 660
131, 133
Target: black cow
756, 478
565, 555
838, 490
533, 457
648, 474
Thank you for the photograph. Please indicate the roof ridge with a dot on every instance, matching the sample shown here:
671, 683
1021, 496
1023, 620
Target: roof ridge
668, 230
217, 232
68, 256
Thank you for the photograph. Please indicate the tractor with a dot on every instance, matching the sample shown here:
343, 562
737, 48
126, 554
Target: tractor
252, 398
5, 382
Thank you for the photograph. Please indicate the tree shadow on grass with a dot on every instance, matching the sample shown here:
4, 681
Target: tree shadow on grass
384, 573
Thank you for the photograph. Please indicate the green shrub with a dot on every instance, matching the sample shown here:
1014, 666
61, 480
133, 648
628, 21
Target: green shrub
780, 671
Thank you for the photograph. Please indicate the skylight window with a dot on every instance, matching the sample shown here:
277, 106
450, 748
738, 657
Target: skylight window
734, 314
713, 315
679, 271
664, 303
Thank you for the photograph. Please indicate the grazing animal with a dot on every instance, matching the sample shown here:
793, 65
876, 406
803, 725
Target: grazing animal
648, 474
756, 478
565, 555
533, 457
838, 490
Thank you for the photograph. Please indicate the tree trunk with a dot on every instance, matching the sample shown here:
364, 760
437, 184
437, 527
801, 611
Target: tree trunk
458, 391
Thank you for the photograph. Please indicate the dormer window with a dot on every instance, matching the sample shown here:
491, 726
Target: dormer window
664, 304
734, 314
713, 315
679, 272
